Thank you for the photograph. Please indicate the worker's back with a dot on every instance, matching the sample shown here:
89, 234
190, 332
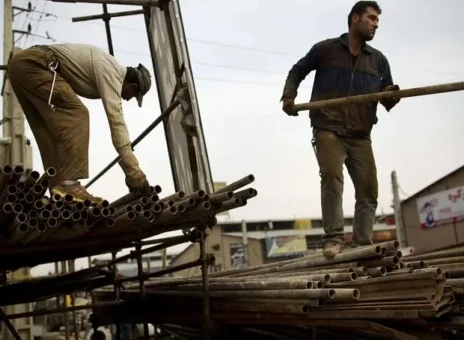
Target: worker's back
81, 65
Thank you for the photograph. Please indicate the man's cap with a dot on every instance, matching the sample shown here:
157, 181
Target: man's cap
144, 80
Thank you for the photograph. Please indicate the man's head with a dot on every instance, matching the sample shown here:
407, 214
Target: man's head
363, 19
136, 83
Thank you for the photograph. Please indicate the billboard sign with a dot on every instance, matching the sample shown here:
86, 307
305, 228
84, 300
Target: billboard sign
237, 256
279, 246
441, 208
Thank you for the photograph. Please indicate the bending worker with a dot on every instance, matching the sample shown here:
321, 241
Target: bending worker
47, 80
345, 66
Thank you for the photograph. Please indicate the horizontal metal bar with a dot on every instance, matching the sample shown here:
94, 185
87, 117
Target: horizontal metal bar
373, 97
3, 67
157, 121
148, 3
108, 15
40, 312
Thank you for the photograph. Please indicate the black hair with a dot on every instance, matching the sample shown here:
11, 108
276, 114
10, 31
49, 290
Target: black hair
360, 7
131, 76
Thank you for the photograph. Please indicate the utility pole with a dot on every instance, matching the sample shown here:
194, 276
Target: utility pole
13, 144
13, 151
245, 243
400, 235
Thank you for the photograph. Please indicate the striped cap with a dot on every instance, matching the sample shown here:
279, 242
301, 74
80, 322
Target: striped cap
144, 79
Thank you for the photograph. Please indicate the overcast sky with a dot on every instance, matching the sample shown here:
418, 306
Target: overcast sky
241, 52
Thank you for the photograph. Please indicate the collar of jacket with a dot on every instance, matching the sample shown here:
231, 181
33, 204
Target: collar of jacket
344, 40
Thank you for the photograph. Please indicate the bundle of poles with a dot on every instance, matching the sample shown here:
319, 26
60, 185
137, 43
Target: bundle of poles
28, 214
31, 221
369, 283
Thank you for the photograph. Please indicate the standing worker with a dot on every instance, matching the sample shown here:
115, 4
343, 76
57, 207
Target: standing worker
345, 66
47, 80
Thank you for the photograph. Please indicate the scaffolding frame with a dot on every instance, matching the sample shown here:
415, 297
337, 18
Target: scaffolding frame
181, 99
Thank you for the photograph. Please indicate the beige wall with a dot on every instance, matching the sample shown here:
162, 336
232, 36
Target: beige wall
437, 237
222, 255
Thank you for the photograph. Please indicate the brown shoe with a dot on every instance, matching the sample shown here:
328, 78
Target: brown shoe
331, 249
76, 190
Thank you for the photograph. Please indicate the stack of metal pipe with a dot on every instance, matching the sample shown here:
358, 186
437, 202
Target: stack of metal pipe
369, 282
451, 262
28, 216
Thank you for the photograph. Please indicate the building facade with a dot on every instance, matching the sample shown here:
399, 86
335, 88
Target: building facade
270, 241
433, 218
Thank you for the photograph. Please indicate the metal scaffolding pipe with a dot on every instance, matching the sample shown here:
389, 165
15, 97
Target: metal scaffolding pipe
107, 15
148, 3
375, 97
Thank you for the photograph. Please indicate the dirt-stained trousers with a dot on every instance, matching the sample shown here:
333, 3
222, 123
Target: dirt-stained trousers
60, 129
332, 152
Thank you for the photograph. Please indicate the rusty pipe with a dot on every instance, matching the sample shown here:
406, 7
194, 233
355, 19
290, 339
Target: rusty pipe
44, 215
233, 203
375, 97
237, 184
31, 179
33, 223
47, 175
133, 196
65, 215
76, 216
18, 208
58, 205
33, 214
218, 198
52, 222
246, 193
103, 204
56, 198
20, 196
16, 174
177, 196
29, 198
55, 213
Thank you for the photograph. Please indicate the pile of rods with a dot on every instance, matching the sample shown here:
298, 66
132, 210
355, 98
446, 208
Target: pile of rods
450, 261
29, 216
371, 282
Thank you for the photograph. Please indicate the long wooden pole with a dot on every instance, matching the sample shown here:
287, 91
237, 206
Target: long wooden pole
373, 97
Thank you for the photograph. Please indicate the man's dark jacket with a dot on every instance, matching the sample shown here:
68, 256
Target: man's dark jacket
337, 76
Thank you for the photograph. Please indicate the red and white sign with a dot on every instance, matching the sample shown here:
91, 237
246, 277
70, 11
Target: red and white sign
441, 208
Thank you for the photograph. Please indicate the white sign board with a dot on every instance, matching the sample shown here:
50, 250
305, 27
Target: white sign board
441, 208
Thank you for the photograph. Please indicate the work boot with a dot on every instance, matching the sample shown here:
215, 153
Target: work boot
331, 249
76, 190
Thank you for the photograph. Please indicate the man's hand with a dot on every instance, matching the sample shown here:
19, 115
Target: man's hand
135, 178
138, 182
288, 106
390, 102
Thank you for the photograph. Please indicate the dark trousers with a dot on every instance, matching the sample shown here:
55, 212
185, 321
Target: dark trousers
332, 152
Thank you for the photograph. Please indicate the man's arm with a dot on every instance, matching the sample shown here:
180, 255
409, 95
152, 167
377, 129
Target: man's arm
109, 86
298, 73
388, 85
